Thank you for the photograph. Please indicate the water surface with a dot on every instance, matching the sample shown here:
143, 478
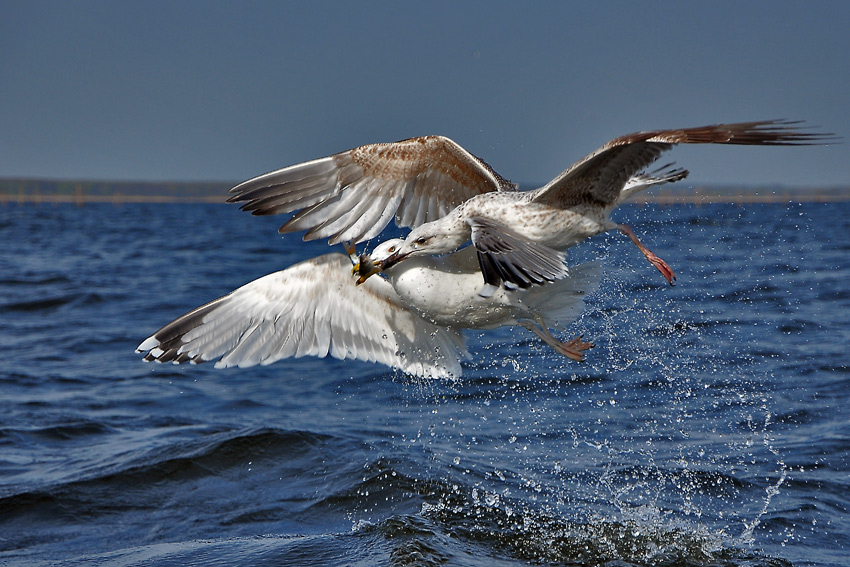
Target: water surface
709, 425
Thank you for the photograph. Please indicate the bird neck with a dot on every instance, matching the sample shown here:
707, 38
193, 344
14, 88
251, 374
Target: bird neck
455, 232
411, 263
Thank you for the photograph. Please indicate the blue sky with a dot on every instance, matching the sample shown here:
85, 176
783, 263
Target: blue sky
183, 90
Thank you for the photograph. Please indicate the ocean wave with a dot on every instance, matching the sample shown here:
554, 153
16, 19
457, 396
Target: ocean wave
407, 508
43, 304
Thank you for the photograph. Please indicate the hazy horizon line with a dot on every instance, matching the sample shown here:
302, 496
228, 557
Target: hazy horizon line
80, 192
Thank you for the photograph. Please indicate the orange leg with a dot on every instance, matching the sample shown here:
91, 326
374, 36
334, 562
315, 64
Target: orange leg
660, 264
573, 349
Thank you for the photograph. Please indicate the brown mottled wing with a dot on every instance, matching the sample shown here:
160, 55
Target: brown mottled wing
598, 178
353, 195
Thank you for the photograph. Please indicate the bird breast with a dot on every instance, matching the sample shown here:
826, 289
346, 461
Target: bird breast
448, 296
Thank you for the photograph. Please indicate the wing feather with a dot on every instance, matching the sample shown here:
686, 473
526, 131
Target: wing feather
312, 308
599, 177
425, 177
506, 256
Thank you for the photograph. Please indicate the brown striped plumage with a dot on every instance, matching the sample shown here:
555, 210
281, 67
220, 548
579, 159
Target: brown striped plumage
435, 186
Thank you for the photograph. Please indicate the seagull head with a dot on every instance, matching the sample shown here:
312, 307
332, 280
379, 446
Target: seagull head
371, 264
430, 239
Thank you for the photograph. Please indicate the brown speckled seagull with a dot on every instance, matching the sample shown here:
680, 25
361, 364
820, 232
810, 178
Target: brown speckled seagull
450, 196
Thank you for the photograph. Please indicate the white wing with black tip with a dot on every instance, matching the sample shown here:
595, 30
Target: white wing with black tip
312, 308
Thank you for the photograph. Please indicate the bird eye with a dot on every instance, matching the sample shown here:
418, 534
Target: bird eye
421, 240
391, 250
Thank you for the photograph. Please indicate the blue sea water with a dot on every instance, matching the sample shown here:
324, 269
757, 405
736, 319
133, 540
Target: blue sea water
709, 426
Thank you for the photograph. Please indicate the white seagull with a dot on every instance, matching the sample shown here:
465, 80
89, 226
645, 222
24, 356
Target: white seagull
413, 322
450, 196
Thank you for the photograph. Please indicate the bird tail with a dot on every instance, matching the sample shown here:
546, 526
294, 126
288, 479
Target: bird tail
645, 180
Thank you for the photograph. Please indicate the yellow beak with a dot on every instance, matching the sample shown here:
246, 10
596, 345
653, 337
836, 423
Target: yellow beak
365, 275
363, 267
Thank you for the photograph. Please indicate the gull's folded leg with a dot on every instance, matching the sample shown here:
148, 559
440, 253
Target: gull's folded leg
660, 264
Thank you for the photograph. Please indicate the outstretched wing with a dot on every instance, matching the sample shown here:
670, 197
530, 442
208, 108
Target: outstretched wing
312, 308
599, 177
353, 195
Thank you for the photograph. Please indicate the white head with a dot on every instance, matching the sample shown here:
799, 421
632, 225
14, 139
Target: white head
441, 236
385, 249
370, 264
432, 238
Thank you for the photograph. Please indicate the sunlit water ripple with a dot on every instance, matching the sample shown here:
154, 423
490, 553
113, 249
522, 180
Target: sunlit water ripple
709, 425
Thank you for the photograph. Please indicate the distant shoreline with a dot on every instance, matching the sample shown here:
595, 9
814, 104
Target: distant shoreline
35, 191
115, 198
120, 199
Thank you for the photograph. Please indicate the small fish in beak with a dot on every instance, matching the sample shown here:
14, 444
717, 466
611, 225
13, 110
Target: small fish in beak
365, 268
361, 265
383, 257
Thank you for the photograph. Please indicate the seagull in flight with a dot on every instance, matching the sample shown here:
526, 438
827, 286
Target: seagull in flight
448, 197
445, 290
413, 320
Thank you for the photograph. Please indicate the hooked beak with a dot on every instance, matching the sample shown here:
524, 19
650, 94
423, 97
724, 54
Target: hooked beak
393, 260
